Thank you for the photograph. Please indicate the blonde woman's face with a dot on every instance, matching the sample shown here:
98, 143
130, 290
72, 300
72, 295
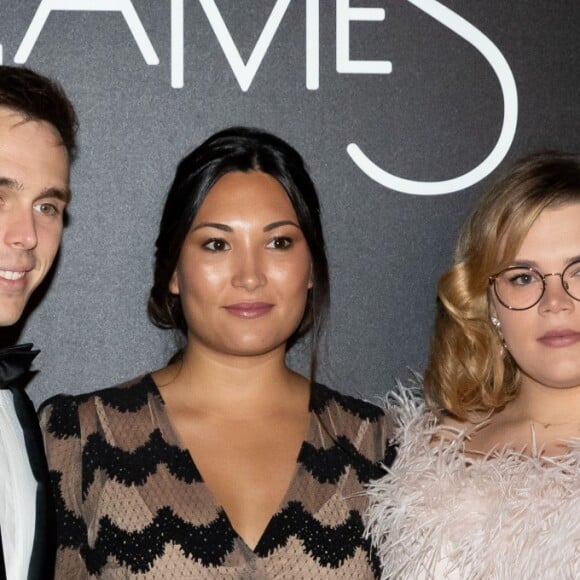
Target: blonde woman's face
544, 340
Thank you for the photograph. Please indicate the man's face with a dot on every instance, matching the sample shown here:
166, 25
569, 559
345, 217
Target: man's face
34, 191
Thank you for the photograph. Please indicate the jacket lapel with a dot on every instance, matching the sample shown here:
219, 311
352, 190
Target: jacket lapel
44, 546
2, 566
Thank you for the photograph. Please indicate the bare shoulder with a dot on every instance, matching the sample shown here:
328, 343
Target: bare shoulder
451, 427
492, 435
165, 375
453, 423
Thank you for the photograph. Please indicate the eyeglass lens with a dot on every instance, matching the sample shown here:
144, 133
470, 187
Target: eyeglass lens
522, 288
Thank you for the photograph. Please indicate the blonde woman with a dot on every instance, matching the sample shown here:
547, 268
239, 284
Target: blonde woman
486, 483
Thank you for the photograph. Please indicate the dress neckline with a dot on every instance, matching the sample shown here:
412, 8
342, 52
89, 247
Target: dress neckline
172, 437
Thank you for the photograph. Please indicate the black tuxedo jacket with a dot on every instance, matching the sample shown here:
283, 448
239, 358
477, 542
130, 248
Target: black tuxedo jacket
44, 547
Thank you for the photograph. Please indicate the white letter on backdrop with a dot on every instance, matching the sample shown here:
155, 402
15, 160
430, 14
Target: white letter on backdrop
244, 73
124, 6
510, 115
312, 44
177, 44
344, 16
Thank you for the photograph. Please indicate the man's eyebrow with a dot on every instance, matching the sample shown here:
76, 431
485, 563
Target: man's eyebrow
63, 195
10, 183
215, 225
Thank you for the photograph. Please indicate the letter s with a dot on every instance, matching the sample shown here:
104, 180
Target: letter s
510, 116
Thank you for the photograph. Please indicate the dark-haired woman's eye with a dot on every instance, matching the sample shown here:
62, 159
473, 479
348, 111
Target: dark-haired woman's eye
280, 243
216, 245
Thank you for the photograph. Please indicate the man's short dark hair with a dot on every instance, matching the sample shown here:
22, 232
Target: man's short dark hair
38, 98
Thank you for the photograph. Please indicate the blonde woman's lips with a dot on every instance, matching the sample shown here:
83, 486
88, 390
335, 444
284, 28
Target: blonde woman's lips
560, 338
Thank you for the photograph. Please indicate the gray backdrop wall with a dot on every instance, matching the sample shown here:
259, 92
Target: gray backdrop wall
405, 111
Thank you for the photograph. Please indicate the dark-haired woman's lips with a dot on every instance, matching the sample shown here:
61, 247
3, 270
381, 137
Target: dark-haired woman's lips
249, 309
560, 337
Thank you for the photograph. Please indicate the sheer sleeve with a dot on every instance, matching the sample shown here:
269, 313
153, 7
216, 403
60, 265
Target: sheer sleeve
59, 421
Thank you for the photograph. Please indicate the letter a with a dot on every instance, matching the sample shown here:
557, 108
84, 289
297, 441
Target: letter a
124, 6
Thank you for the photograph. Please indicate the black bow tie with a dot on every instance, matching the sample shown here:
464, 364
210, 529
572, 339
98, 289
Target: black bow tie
14, 362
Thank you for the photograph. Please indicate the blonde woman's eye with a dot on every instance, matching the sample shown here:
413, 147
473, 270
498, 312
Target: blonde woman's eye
573, 270
524, 278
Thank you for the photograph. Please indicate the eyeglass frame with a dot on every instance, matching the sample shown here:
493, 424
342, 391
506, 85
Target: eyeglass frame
492, 279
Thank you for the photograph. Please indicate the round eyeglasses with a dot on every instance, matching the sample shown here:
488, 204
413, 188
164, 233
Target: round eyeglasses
520, 288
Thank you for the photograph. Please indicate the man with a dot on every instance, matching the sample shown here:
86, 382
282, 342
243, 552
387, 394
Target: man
37, 141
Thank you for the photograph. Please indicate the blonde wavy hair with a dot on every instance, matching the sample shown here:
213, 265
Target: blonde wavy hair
469, 375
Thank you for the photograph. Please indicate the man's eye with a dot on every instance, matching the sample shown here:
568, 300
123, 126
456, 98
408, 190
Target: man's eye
47, 209
281, 243
216, 245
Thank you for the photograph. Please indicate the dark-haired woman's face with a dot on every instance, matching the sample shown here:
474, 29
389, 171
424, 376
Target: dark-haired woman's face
244, 270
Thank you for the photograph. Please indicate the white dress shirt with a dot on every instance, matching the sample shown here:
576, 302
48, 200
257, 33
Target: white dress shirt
17, 492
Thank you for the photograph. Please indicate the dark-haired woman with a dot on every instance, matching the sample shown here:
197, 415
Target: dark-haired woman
486, 484
225, 463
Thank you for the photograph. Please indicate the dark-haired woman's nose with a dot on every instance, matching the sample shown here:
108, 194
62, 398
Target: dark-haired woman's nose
249, 272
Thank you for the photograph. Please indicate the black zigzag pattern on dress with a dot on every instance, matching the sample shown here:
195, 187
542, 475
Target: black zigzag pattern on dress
204, 538
329, 545
322, 396
390, 456
328, 465
64, 416
125, 398
209, 544
71, 529
135, 467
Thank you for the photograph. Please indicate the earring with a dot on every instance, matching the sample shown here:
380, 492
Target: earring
497, 325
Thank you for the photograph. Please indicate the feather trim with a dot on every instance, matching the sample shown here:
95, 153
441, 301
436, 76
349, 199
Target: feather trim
439, 514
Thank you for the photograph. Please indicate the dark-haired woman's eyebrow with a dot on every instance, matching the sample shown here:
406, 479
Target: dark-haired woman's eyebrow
279, 224
217, 226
